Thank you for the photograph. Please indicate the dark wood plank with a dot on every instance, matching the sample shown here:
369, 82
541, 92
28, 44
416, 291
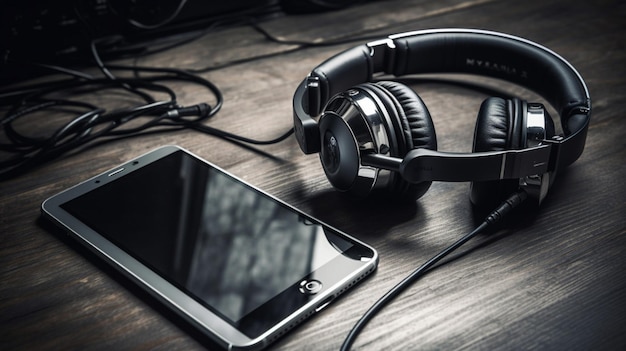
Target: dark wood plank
552, 279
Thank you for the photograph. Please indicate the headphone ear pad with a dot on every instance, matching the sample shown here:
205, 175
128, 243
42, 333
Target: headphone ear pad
418, 129
498, 128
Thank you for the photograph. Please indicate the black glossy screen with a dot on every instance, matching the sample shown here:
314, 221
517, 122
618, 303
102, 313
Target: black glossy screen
224, 243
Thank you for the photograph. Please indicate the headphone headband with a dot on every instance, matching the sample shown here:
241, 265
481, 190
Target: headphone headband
486, 53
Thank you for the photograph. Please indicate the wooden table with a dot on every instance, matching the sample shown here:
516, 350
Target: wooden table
552, 278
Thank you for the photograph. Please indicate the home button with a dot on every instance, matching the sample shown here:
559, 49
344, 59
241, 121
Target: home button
310, 287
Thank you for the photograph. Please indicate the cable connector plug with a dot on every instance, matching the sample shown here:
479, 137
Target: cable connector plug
201, 110
506, 206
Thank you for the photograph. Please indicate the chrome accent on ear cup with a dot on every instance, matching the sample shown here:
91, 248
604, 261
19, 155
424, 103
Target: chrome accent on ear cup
352, 119
536, 186
535, 125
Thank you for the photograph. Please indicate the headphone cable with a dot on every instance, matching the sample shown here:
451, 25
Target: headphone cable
500, 212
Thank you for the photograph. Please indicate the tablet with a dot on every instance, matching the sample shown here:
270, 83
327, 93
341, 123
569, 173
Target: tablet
238, 264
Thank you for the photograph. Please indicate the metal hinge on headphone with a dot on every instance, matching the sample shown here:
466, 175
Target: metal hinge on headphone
382, 53
313, 95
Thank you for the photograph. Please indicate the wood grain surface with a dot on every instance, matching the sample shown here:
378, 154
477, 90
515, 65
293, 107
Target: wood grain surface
552, 278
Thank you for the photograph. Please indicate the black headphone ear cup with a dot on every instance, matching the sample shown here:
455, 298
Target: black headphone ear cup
418, 132
498, 128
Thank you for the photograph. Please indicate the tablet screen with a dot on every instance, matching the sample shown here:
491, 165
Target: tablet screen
221, 241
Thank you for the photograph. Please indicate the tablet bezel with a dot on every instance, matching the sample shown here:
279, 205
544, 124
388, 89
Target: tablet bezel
201, 317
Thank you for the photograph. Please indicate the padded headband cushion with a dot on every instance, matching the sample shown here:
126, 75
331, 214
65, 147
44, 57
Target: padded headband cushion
484, 53
494, 56
455, 51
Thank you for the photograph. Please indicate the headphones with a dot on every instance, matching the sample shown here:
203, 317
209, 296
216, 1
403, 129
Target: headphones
378, 137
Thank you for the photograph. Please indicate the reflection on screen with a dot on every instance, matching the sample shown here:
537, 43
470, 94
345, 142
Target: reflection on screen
249, 249
213, 237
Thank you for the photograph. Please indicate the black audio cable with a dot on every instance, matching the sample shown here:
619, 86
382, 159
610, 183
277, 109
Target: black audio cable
156, 111
505, 207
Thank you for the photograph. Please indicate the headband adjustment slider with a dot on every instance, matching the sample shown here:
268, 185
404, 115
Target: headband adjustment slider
382, 53
313, 95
